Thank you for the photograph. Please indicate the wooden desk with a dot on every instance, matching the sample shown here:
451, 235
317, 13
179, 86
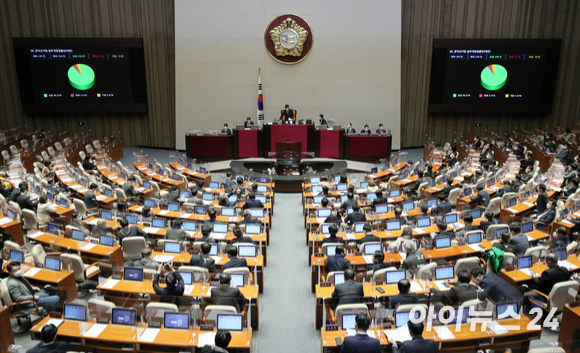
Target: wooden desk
517, 278
63, 278
14, 229
115, 181
191, 174
163, 181
521, 209
80, 190
115, 337
6, 335
385, 174
569, 337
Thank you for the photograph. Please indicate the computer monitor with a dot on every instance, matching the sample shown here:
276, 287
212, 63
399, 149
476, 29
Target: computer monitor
451, 218
525, 262
108, 215
74, 312
512, 201
52, 263
442, 242
323, 212
246, 251
348, 321
330, 250
37, 190
561, 253
318, 199
187, 277
63, 202
147, 184
500, 231
133, 274
158, 223
237, 280
263, 180
444, 272
124, 316
10, 213
228, 212
563, 213
343, 198
172, 320
467, 191
257, 212
393, 225
253, 228
475, 213
172, 247
463, 311
214, 185
199, 210
387, 165
184, 194
454, 174
364, 184
402, 317
491, 181
150, 166
207, 196
423, 222
324, 228
189, 166
527, 227
106, 240
341, 187
173, 206
16, 256
506, 310
240, 176
214, 250
431, 202
317, 188
202, 170
160, 171
395, 193
262, 188
77, 235
220, 228
374, 170
50, 196
108, 192
132, 219
189, 226
393, 277
230, 322
123, 176
233, 198
474, 238
52, 228
349, 210
371, 248
432, 183
358, 227
408, 206
262, 199
371, 196
149, 203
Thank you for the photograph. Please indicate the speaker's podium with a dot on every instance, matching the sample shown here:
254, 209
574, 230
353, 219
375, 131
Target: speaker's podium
288, 157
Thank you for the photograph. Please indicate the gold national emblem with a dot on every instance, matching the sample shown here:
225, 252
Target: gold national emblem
289, 38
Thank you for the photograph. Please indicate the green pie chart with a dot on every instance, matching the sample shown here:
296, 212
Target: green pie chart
81, 76
493, 77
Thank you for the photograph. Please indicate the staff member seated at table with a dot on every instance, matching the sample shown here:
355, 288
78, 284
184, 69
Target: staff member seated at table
495, 287
248, 218
252, 202
461, 292
334, 218
565, 155
554, 274
129, 189
488, 221
222, 340
545, 218
287, 115
350, 129
173, 195
48, 335
146, 261
212, 214
366, 130
101, 227
518, 240
482, 198
203, 259
126, 230
477, 142
235, 261
542, 200
174, 284
332, 230
23, 199
90, 198
562, 239
369, 236
378, 262
355, 216
248, 122
507, 188
398, 212
380, 199
337, 262
175, 233
504, 243
417, 344
322, 121
349, 292
361, 342
405, 296
226, 130
20, 289
452, 159
381, 129
205, 235
87, 165
414, 257
240, 238
226, 295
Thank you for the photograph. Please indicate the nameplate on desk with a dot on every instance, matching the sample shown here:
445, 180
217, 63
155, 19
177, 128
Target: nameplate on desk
157, 249
325, 284
38, 265
116, 276
331, 328
214, 283
102, 321
483, 342
379, 283
206, 327
575, 304
318, 254
154, 324
55, 314
358, 253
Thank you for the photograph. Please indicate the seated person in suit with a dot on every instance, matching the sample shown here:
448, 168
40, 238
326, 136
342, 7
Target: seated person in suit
332, 230
322, 121
369, 236
234, 260
570, 189
488, 221
21, 290
240, 238
361, 342
380, 199
405, 296
203, 259
554, 274
337, 262
88, 165
206, 230
248, 122
23, 200
248, 218
461, 292
504, 243
48, 335
468, 221
414, 257
366, 130
226, 295
309, 170
101, 227
287, 115
518, 151
176, 233
398, 217
212, 214
129, 189
545, 218
350, 129
196, 197
493, 286
482, 198
378, 262
417, 344
226, 130
90, 198
45, 210
355, 216
252, 202
326, 191
349, 292
507, 188
420, 180
350, 201
447, 189
562, 239
126, 230
173, 195
381, 129
147, 215
146, 261
518, 240
222, 340
442, 226
477, 144
173, 281
254, 189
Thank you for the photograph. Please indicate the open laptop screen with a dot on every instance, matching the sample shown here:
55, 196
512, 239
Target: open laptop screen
124, 316
393, 277
445, 272
75, 312
230, 322
176, 320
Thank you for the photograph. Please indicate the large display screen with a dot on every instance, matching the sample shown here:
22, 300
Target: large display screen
493, 75
95, 75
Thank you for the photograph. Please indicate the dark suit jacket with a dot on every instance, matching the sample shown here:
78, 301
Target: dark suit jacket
350, 130
462, 292
365, 131
323, 121
14, 195
505, 190
498, 289
361, 342
380, 201
521, 243
250, 221
174, 234
444, 206
248, 123
565, 156
417, 344
172, 196
542, 202
355, 217
547, 217
25, 203
253, 204
244, 239
88, 165
348, 203
477, 144
129, 189
409, 298
226, 130
236, 262
550, 277
447, 189
129, 231
204, 261
482, 198
91, 200
336, 263
178, 290
56, 347
333, 219
381, 131
369, 238
287, 114
333, 239
228, 296
349, 292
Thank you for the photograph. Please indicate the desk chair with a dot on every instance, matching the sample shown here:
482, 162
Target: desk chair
30, 220
336, 318
330, 277
132, 247
97, 145
495, 206
549, 226
51, 151
507, 196
426, 271
323, 247
82, 272
536, 252
453, 195
80, 207
211, 312
14, 150
89, 149
17, 207
45, 156
58, 146
467, 263
155, 312
571, 248
380, 275
421, 187
362, 246
558, 297
198, 273
38, 254
490, 235
241, 270
24, 310
38, 165
156, 191
189, 184
408, 307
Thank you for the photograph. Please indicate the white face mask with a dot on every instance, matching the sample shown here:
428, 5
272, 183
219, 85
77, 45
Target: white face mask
17, 273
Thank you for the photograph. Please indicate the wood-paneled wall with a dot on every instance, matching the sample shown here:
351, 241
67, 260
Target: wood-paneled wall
152, 20
424, 20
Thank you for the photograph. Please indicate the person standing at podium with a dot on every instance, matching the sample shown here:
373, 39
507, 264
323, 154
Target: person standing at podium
322, 121
248, 122
366, 130
287, 115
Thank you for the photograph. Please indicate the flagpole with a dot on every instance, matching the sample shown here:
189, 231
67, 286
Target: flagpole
260, 111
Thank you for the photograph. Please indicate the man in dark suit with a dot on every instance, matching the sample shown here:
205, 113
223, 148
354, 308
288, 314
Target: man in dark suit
447, 189
322, 121
203, 259
146, 261
332, 230
518, 240
381, 129
173, 195
366, 130
206, 230
420, 180
545, 218
252, 202
234, 261
542, 200
248, 218
507, 188
349, 292
461, 292
23, 200
554, 274
350, 129
569, 190
212, 214
414, 257
369, 236
90, 198
126, 230
355, 216
477, 142
442, 226
350, 201
222, 340
417, 344
378, 262
495, 287
527, 162
518, 151
565, 155
517, 183
87, 165
287, 115
380, 199
452, 159
128, 188
336, 219
482, 197
562, 239
361, 342
405, 296
240, 238
226, 295
48, 335
16, 192
248, 123
173, 281
226, 130
443, 204
337, 262
175, 233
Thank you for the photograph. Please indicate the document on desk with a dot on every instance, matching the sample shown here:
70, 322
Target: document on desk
101, 197
528, 204
218, 236
67, 180
441, 285
188, 289
444, 333
529, 272
530, 238
55, 322
398, 335
5, 220
567, 222
497, 328
95, 330
163, 213
162, 258
93, 222
74, 187
349, 236
139, 209
217, 259
569, 266
206, 338
320, 220
416, 287
88, 246
35, 235
476, 247
150, 230
369, 259
60, 172
149, 335
109, 284
32, 272
403, 255
419, 231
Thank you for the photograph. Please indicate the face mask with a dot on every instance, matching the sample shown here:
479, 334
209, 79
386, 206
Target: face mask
17, 273
477, 280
